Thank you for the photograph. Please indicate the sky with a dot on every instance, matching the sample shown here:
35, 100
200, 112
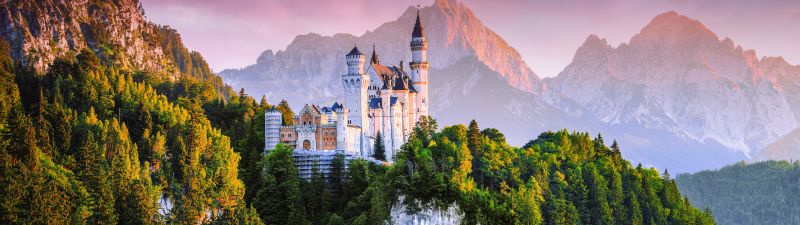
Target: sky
231, 34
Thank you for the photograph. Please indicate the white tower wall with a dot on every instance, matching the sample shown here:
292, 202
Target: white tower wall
272, 124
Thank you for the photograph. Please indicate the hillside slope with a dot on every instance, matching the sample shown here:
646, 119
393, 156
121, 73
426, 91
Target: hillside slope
759, 193
39, 32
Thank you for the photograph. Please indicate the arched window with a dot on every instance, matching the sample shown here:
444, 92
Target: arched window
306, 145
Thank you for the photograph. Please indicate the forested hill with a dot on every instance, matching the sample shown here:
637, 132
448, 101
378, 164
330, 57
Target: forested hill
38, 32
104, 119
760, 193
558, 178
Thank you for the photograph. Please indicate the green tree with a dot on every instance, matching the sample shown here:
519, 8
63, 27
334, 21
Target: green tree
337, 179
379, 150
279, 200
286, 113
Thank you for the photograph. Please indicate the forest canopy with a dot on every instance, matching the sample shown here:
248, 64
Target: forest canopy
759, 193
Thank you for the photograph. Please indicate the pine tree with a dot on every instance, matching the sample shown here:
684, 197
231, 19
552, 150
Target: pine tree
474, 143
44, 128
263, 103
474, 137
634, 212
379, 151
598, 195
22, 137
62, 125
286, 113
97, 178
336, 181
279, 200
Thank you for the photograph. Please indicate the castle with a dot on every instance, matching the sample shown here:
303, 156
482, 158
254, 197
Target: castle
377, 99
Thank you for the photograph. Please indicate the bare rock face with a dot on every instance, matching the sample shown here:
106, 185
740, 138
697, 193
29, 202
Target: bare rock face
677, 75
38, 32
427, 216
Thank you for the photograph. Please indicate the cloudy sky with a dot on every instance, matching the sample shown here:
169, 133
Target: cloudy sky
231, 34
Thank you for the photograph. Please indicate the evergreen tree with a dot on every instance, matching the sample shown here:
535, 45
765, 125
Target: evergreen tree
279, 201
475, 138
474, 143
379, 151
286, 113
598, 193
336, 181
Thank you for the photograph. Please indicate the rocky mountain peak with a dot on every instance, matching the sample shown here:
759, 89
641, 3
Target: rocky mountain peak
591, 46
671, 28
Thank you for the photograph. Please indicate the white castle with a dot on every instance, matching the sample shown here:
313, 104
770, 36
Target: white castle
377, 98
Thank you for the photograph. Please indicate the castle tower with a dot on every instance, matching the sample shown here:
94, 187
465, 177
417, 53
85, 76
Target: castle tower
341, 130
419, 67
355, 84
272, 124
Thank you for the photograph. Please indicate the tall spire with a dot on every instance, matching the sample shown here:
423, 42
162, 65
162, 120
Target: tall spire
374, 59
418, 31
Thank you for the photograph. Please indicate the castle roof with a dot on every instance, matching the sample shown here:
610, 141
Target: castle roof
312, 109
377, 103
354, 51
418, 30
400, 83
382, 70
336, 106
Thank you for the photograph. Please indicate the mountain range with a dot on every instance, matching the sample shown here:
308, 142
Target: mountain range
676, 94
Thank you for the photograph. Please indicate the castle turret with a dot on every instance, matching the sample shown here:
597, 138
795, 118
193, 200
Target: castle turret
419, 67
355, 84
272, 124
341, 130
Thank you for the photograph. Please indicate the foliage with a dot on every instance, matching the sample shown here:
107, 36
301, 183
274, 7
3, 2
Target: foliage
758, 193
379, 149
558, 178
88, 142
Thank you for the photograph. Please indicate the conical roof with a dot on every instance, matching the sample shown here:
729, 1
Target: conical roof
418, 30
354, 51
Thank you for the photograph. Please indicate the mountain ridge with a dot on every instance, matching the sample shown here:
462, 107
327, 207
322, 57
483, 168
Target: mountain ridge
674, 84
681, 71
391, 40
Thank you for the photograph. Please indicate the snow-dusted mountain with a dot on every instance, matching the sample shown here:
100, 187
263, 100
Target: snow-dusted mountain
309, 69
676, 96
678, 76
